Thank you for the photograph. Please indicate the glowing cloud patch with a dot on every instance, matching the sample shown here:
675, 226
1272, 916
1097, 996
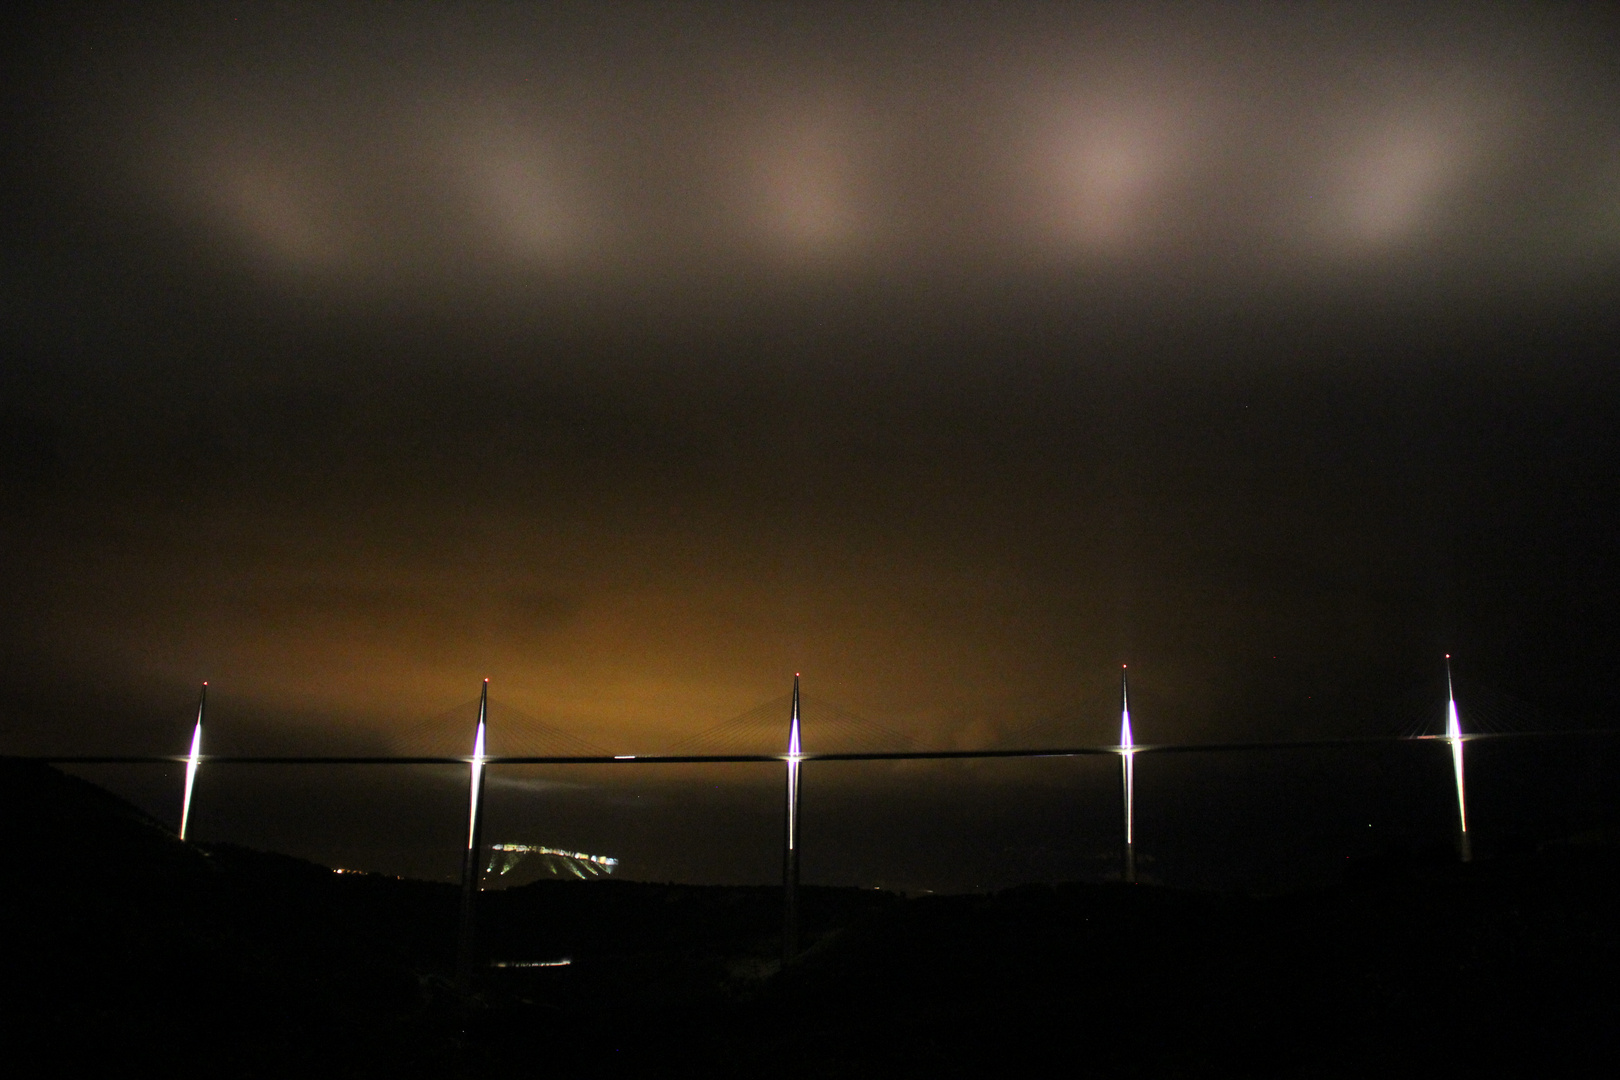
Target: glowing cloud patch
1105, 166
278, 208
1395, 182
520, 191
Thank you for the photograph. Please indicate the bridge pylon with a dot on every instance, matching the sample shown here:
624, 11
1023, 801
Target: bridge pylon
193, 760
472, 865
1127, 775
1454, 737
790, 849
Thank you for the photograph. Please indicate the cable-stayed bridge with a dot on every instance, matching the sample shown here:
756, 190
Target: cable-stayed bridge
797, 729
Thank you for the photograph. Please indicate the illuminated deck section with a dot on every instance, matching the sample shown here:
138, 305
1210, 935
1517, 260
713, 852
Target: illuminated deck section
1098, 750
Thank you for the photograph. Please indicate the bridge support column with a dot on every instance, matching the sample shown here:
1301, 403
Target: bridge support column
1127, 776
1454, 737
471, 866
193, 760
790, 849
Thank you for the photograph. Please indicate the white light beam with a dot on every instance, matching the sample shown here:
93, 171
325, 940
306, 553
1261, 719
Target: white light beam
790, 854
192, 761
1454, 737
1127, 756
475, 787
469, 867
794, 757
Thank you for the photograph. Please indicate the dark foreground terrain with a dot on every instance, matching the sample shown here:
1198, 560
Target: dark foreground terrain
127, 951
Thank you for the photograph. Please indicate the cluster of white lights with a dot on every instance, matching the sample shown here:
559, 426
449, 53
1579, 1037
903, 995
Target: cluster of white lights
508, 856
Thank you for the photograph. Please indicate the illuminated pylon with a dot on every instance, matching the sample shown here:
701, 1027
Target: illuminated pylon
790, 850
1127, 766
470, 864
1454, 736
192, 760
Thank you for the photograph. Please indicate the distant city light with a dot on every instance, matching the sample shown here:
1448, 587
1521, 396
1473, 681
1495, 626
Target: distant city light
504, 858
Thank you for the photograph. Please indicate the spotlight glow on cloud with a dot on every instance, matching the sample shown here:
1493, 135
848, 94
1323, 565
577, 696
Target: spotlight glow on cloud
1219, 149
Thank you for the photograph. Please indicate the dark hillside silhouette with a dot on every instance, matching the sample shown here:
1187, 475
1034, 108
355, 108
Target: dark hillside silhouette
130, 951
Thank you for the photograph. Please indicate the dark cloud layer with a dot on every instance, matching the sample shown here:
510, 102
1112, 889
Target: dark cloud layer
537, 159
638, 357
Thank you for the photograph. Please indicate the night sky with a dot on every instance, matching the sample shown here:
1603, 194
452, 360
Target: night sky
954, 355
